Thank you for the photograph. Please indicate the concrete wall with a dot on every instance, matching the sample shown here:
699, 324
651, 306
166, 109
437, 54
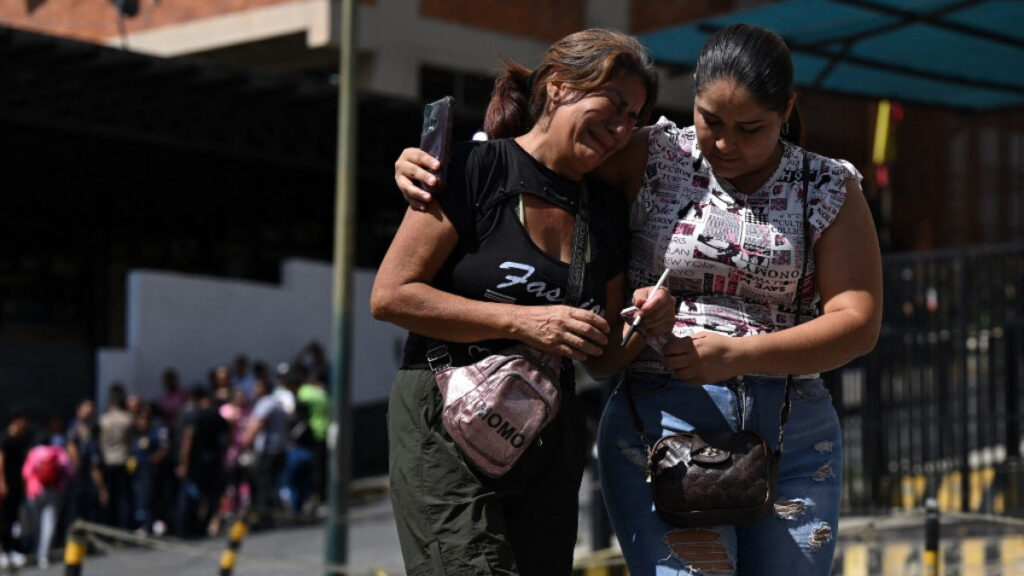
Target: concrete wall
193, 323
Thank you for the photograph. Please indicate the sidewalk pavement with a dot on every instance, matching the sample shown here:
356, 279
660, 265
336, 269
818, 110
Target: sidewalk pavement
867, 546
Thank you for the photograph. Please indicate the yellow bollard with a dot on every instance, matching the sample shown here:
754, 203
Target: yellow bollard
931, 538
74, 553
855, 560
230, 555
1011, 550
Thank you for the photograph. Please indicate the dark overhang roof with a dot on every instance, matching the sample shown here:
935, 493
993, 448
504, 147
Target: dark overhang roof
67, 85
966, 54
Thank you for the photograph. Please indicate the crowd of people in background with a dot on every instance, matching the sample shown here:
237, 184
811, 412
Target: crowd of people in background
249, 442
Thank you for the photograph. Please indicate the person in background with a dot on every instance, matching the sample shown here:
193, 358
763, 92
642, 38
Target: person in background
297, 477
133, 405
267, 436
312, 394
220, 384
312, 358
150, 447
14, 447
238, 463
286, 385
241, 377
172, 400
169, 407
200, 469
86, 486
46, 471
115, 449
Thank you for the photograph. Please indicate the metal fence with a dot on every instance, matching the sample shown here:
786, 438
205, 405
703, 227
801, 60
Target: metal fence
936, 409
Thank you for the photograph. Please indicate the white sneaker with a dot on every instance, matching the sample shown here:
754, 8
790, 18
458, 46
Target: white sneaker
18, 559
5, 562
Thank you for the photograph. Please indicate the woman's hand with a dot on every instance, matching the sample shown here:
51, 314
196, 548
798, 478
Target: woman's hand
658, 308
565, 330
415, 165
705, 357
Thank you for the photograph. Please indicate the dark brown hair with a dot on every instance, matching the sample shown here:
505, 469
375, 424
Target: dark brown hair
756, 58
584, 61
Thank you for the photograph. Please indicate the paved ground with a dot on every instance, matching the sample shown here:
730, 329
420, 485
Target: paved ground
867, 546
373, 549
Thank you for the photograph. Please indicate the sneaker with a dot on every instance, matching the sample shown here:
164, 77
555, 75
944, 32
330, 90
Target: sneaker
18, 559
5, 562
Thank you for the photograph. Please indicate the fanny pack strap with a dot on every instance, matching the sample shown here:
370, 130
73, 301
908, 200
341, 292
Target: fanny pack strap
438, 357
787, 402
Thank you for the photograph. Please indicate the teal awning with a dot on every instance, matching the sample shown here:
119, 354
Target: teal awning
955, 53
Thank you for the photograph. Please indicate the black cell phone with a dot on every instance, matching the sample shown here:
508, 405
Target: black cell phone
436, 136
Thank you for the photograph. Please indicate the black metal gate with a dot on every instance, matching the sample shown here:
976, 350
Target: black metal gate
936, 409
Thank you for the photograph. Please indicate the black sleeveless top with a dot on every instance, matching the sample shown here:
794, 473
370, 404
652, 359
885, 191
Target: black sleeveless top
495, 258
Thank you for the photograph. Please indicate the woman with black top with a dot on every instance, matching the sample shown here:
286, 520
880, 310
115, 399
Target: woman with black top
485, 268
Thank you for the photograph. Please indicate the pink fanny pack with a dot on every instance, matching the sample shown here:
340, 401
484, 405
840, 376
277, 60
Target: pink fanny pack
495, 408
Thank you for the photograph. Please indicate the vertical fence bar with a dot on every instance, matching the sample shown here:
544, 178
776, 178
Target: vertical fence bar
962, 380
940, 397
1014, 470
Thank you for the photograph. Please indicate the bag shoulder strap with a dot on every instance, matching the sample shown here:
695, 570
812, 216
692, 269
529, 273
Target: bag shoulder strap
787, 403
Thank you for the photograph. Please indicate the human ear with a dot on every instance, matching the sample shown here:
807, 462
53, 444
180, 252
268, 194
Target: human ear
789, 107
556, 91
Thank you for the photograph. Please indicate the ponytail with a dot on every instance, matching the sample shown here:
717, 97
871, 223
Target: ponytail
583, 61
508, 112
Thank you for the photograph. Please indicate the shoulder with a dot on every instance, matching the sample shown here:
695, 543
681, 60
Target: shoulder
828, 170
473, 174
668, 138
671, 151
479, 157
832, 179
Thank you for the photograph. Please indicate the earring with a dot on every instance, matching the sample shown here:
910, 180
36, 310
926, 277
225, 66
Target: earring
785, 128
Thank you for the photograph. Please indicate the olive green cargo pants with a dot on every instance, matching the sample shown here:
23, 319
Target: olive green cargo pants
453, 520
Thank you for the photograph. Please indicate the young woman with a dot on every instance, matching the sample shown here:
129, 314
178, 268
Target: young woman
485, 268
720, 205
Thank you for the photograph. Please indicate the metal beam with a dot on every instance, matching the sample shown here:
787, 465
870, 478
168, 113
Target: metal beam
339, 438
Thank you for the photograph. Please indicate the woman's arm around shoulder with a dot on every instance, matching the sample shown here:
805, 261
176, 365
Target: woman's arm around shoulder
414, 165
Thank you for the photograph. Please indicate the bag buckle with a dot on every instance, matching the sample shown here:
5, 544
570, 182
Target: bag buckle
439, 359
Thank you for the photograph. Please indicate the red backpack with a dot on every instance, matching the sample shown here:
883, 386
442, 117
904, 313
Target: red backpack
49, 472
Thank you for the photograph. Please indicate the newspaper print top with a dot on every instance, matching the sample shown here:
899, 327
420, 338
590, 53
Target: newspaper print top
734, 259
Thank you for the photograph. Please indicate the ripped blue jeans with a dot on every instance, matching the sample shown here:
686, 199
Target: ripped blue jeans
798, 539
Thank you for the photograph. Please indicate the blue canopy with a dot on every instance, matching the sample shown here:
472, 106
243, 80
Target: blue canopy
955, 53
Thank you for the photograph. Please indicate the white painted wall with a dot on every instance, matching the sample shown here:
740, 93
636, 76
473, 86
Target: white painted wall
193, 323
